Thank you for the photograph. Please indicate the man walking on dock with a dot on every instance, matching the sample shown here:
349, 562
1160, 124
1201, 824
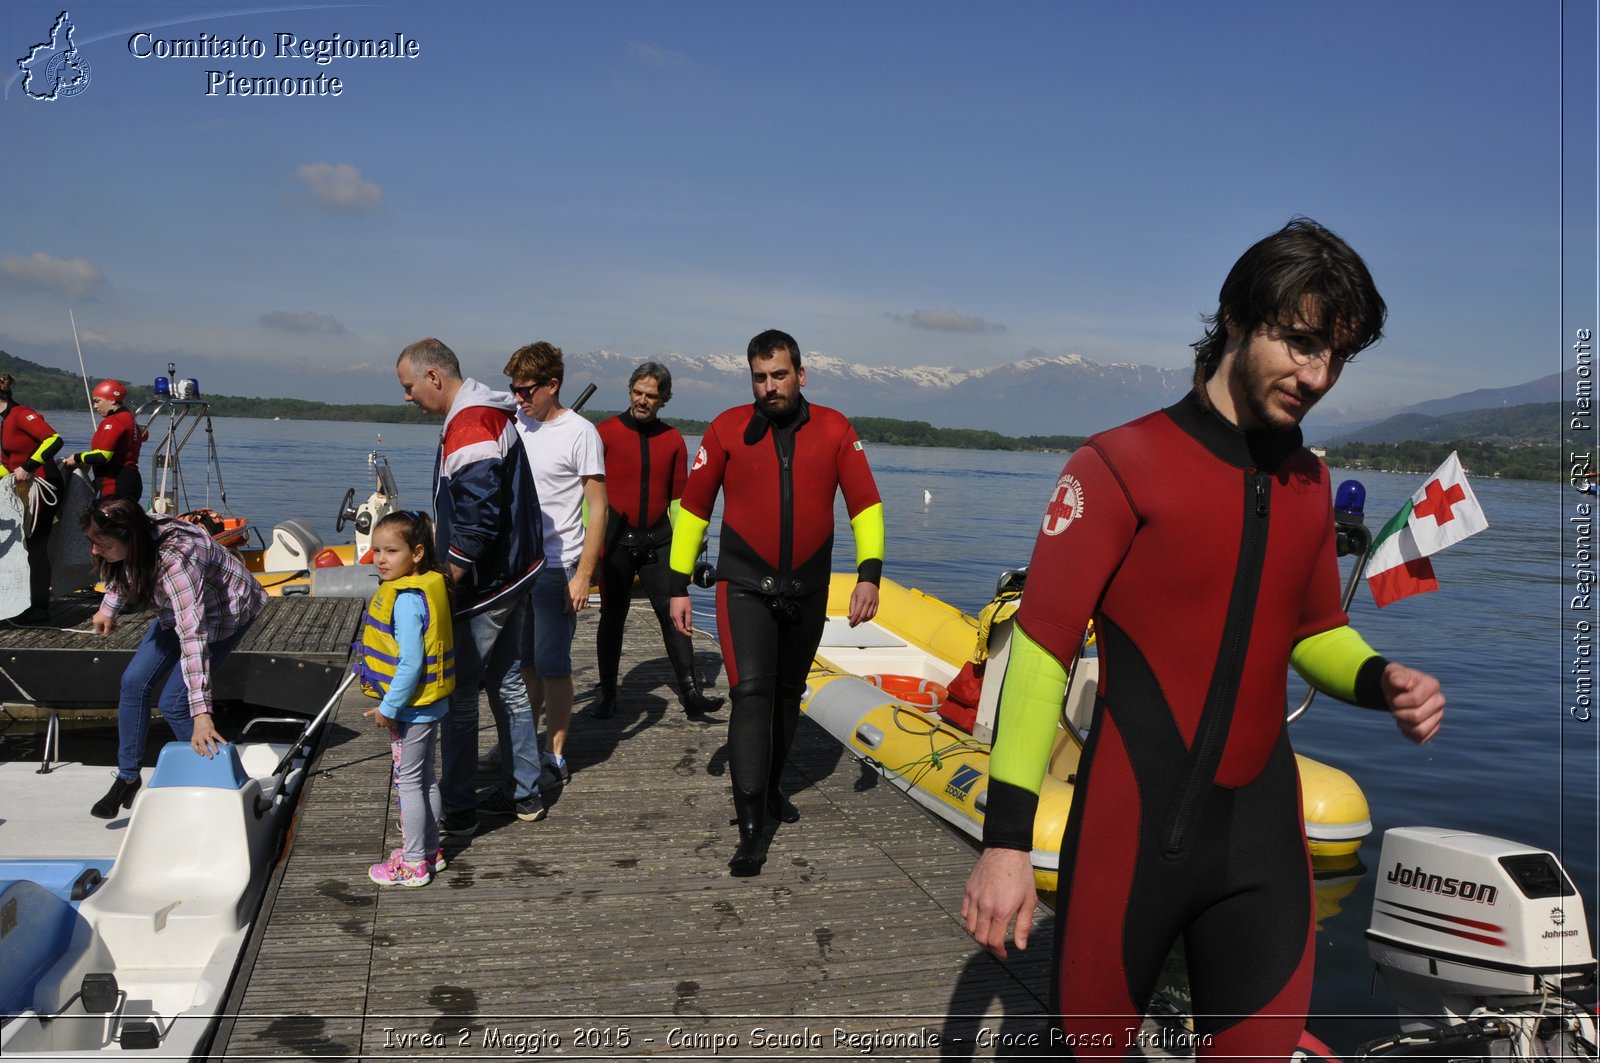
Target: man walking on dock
647, 464
569, 470
486, 512
1205, 583
780, 464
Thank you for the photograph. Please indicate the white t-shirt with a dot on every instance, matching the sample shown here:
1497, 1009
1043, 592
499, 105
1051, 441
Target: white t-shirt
560, 452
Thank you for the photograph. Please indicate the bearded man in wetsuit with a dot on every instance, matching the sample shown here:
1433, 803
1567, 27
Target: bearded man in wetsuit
647, 464
780, 463
1200, 538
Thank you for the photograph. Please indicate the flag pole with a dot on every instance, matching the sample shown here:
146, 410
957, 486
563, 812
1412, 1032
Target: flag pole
93, 421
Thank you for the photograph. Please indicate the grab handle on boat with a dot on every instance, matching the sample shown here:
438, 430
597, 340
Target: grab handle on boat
85, 883
1012, 579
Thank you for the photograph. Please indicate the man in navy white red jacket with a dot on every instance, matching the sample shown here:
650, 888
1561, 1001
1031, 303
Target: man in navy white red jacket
486, 511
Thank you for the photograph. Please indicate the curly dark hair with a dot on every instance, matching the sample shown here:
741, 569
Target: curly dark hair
1301, 276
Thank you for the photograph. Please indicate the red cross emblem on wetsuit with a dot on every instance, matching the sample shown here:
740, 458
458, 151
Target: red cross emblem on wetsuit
1440, 502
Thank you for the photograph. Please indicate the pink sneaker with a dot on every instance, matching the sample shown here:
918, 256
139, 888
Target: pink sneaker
396, 872
436, 865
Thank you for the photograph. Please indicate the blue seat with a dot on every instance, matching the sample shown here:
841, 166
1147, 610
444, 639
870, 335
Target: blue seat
180, 765
38, 931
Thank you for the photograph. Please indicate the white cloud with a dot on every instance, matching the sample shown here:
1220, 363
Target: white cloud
74, 278
948, 321
308, 321
340, 186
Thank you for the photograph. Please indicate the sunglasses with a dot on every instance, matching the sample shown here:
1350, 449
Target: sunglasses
525, 391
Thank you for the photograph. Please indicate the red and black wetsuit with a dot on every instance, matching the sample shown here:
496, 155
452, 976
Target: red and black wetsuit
28, 442
1203, 554
646, 468
114, 455
779, 481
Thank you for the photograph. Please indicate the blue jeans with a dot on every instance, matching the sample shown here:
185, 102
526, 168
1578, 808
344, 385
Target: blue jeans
154, 668
487, 648
547, 640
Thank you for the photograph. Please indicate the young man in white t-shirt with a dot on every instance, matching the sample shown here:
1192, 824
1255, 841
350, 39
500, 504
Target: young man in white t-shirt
569, 470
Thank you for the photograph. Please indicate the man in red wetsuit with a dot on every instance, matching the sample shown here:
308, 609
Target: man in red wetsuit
1201, 541
647, 464
113, 453
779, 463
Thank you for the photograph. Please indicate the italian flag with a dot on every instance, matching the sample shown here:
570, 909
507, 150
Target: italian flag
1443, 512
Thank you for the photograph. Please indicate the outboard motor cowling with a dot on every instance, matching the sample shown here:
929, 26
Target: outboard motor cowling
1464, 922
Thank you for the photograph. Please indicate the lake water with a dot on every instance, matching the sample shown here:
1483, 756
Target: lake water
1510, 761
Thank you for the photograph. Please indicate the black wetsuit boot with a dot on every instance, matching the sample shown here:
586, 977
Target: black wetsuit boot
694, 701
749, 810
606, 707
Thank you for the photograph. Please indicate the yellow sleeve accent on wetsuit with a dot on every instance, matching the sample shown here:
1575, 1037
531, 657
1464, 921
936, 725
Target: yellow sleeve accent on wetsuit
868, 528
43, 449
672, 511
1330, 660
94, 457
687, 535
1030, 706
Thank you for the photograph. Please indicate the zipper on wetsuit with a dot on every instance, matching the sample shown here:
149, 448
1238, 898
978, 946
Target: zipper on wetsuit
1217, 714
785, 503
644, 480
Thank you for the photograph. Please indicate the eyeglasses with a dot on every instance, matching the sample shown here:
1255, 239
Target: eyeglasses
1332, 359
525, 391
1307, 349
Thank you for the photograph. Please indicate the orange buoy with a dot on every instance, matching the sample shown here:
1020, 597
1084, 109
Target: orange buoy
927, 694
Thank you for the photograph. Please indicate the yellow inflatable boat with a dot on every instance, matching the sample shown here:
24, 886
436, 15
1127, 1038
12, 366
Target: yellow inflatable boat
879, 688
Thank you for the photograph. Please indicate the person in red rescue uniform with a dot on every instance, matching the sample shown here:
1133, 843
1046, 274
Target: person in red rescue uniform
113, 453
1205, 584
28, 446
647, 465
779, 463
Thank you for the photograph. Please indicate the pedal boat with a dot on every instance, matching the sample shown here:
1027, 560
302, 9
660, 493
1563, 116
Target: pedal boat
125, 936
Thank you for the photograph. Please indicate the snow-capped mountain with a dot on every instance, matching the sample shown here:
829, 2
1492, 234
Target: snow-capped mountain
1045, 395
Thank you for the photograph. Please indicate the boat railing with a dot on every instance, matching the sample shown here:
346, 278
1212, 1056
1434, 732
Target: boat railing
311, 729
1352, 538
52, 744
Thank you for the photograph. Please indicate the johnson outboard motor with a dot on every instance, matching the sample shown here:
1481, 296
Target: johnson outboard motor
1484, 945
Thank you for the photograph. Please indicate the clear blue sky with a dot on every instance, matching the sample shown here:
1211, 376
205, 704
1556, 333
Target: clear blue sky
895, 183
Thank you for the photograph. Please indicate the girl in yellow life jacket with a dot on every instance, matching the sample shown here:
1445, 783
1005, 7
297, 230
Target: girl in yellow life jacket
408, 661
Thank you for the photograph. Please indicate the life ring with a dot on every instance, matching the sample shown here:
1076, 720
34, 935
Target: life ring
926, 694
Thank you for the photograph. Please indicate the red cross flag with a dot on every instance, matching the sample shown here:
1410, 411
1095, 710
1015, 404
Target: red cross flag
1442, 513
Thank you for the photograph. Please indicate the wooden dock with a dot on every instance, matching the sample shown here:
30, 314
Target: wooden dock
292, 658
612, 929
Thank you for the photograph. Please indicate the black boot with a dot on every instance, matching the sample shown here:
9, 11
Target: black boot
606, 707
751, 852
694, 701
120, 795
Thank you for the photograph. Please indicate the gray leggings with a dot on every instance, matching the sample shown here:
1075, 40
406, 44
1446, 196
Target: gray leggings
416, 789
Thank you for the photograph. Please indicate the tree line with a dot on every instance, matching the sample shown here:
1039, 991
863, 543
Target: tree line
1479, 458
54, 389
